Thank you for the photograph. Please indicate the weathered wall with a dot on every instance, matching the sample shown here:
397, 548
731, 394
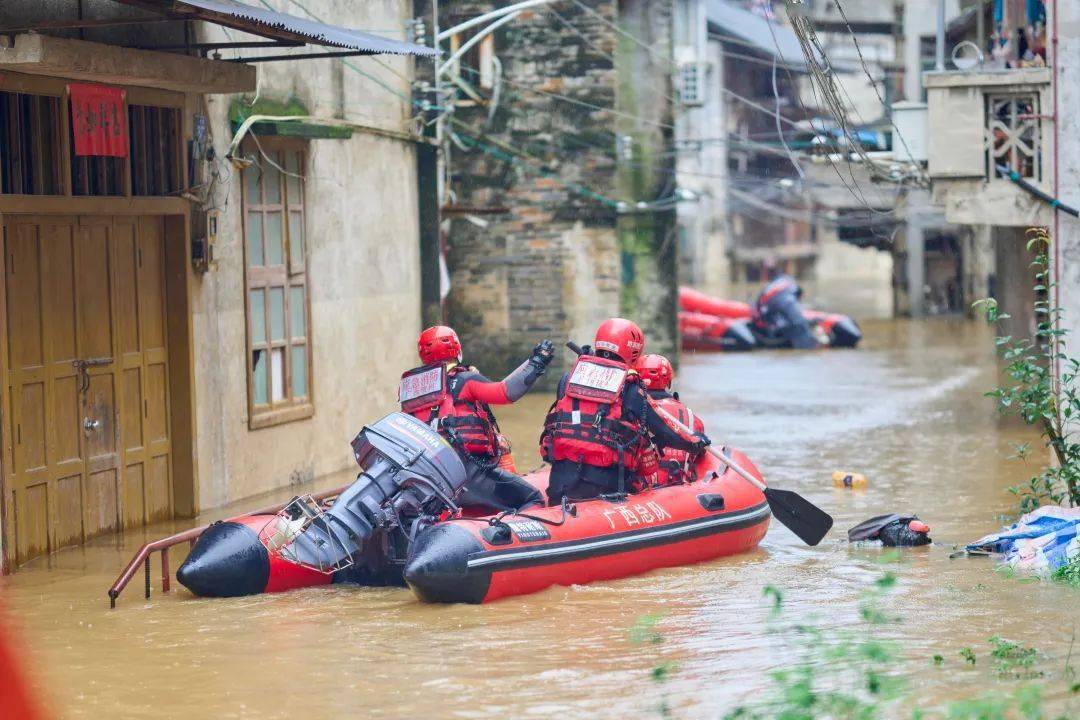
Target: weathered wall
1064, 18
647, 238
850, 279
22, 13
1014, 281
703, 170
363, 271
549, 266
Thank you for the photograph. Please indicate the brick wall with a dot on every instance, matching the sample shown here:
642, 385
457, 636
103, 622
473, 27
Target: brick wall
560, 260
549, 267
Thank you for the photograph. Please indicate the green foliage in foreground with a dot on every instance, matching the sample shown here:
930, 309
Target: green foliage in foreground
1069, 573
1034, 392
852, 675
856, 673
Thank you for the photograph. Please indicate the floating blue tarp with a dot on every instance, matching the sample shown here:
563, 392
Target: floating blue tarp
1040, 541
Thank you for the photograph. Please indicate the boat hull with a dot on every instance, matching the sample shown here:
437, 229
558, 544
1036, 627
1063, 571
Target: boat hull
479, 559
464, 561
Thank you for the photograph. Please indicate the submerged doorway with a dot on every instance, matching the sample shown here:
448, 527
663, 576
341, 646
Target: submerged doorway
88, 383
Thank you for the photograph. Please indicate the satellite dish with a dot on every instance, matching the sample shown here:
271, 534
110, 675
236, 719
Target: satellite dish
967, 56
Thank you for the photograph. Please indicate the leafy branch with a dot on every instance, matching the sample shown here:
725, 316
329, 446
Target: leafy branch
1041, 385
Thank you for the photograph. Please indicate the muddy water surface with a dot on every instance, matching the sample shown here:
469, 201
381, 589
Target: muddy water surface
906, 409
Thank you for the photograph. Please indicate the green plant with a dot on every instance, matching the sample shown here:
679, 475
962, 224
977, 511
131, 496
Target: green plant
645, 632
849, 674
1012, 659
852, 674
1041, 386
1069, 573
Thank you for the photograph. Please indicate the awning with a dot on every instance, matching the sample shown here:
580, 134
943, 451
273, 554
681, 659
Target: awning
759, 33
284, 28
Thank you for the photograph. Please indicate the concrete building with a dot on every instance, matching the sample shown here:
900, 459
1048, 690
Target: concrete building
195, 290
1002, 113
750, 204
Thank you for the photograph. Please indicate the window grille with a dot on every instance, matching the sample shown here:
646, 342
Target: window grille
30, 162
1013, 137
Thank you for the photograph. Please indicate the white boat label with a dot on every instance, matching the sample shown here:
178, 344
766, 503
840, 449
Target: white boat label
527, 530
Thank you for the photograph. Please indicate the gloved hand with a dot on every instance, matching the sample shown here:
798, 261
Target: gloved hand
543, 354
703, 442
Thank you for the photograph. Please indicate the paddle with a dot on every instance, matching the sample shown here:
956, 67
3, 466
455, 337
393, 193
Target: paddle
795, 512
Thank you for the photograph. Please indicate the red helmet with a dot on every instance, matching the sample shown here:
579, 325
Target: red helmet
438, 344
620, 337
655, 371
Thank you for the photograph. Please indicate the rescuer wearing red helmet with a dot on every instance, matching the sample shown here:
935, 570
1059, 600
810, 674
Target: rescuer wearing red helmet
656, 375
599, 434
455, 398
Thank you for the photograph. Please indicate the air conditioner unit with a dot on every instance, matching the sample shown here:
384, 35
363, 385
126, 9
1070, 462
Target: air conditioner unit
691, 83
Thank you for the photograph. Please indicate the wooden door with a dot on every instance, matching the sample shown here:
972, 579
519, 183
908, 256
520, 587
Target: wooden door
87, 379
143, 370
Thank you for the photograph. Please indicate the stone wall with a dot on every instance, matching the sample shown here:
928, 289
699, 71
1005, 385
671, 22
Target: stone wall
549, 267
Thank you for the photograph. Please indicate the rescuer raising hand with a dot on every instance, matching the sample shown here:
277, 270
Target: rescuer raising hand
454, 399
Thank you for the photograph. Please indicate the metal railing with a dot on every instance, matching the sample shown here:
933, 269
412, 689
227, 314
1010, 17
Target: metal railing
189, 536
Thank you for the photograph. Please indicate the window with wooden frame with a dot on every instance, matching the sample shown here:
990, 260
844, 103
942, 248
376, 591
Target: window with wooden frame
37, 153
278, 299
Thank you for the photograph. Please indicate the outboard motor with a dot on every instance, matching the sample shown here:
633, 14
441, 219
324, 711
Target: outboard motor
410, 475
845, 333
778, 315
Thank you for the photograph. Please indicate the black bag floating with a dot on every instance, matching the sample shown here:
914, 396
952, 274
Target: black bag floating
892, 530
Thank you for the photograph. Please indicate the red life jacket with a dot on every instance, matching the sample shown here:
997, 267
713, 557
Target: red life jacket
586, 425
673, 463
426, 393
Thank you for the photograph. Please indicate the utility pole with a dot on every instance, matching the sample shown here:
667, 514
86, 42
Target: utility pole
647, 242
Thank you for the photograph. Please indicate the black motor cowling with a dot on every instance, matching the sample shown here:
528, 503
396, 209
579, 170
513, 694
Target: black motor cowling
845, 333
409, 471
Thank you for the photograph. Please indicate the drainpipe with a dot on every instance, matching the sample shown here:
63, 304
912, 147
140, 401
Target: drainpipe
939, 46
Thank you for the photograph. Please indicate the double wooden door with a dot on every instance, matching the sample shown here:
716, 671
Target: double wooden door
87, 383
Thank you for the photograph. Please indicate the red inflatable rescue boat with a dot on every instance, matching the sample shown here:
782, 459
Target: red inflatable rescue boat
481, 559
709, 323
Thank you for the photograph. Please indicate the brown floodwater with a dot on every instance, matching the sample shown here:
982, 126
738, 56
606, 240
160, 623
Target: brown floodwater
906, 409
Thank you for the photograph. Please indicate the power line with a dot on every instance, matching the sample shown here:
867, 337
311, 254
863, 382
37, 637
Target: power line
877, 92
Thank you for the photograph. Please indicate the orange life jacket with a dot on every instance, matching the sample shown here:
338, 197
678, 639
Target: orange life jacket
673, 462
426, 394
587, 424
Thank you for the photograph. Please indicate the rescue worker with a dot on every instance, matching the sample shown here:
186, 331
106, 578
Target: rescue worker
599, 433
656, 374
454, 398
778, 314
